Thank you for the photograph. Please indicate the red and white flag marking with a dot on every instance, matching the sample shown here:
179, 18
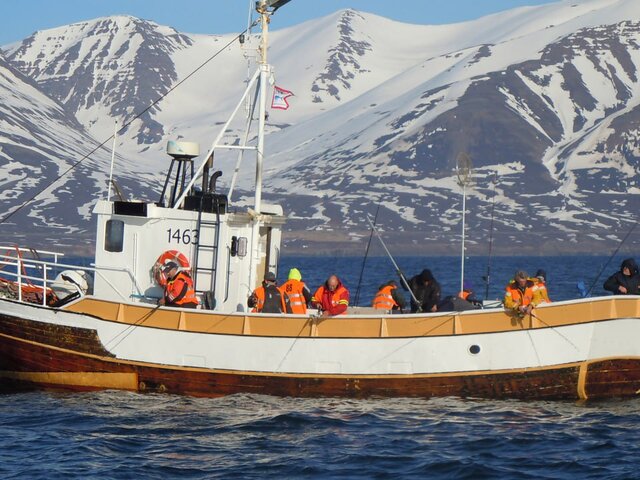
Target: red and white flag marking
279, 100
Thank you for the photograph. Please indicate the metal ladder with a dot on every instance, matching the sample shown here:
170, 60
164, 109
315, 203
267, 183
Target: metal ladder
204, 272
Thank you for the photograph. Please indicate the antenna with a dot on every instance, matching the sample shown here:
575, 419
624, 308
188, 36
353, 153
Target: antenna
113, 158
463, 172
487, 278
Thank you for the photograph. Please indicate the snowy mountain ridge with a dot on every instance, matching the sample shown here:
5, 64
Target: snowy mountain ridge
543, 99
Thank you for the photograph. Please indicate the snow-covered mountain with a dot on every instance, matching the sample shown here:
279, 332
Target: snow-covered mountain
39, 142
543, 99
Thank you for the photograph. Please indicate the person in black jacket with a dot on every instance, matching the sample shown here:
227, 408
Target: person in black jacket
626, 281
426, 289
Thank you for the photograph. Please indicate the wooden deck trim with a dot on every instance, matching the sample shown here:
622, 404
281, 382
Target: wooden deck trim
396, 326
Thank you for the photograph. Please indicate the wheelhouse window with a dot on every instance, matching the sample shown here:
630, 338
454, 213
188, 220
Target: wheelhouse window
114, 236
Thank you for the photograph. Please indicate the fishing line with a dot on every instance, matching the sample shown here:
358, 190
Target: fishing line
552, 328
125, 125
129, 330
312, 319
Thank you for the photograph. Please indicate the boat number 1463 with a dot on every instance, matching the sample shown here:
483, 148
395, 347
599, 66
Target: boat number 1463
180, 236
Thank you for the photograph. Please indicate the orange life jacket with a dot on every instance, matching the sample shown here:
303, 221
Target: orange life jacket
338, 297
514, 297
540, 292
259, 293
293, 289
464, 294
384, 300
174, 289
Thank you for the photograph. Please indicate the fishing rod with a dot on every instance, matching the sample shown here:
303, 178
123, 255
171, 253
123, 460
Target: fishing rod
611, 257
487, 278
364, 260
398, 271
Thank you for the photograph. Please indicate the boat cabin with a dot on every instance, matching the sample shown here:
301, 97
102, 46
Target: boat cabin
227, 251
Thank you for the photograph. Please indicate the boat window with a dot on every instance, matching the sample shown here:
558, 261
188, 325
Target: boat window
114, 236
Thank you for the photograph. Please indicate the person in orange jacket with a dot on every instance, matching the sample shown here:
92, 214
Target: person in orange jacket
540, 293
332, 297
389, 298
269, 298
178, 292
467, 293
297, 291
519, 294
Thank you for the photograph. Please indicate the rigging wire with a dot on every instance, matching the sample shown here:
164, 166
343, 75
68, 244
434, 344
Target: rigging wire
364, 260
125, 125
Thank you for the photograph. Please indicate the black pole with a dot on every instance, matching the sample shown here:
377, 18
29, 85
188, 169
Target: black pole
176, 183
166, 183
364, 260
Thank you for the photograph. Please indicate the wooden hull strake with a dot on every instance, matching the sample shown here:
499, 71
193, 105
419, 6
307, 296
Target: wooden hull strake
36, 355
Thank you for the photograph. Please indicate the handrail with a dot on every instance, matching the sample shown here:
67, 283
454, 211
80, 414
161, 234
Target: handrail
15, 248
19, 263
115, 269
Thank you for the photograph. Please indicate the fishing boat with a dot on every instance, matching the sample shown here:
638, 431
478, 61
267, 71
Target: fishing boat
99, 327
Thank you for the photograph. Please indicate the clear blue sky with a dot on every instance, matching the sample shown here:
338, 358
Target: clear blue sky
23, 17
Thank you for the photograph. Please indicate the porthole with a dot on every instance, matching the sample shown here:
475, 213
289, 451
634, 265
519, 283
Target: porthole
474, 349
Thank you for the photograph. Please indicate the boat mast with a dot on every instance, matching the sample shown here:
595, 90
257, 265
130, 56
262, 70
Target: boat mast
264, 68
265, 9
463, 172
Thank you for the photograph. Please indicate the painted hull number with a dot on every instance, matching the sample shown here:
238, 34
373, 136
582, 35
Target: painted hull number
182, 237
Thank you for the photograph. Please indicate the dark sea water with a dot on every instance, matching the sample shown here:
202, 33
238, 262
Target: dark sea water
122, 435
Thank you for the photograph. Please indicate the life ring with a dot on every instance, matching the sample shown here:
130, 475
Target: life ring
169, 256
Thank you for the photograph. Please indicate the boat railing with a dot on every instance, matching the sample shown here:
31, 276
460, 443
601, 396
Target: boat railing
33, 280
21, 250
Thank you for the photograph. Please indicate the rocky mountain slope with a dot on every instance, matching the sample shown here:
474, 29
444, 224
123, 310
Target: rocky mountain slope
544, 100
